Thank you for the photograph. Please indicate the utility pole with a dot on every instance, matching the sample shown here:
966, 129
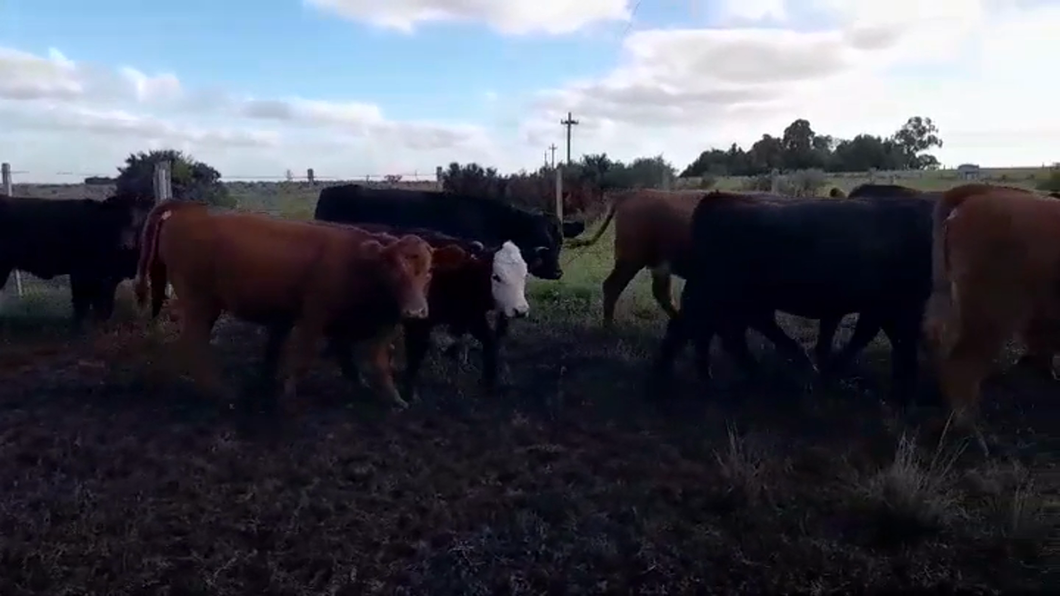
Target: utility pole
569, 123
553, 148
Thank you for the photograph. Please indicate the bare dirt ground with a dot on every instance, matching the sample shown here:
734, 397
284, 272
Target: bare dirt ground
571, 481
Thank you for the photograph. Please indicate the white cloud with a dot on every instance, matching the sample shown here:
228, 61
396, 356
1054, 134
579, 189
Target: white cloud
979, 68
517, 17
92, 117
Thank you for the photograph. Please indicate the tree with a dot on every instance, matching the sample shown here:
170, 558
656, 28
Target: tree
191, 180
800, 148
915, 137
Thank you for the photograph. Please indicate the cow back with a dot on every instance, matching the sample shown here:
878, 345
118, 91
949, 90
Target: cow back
49, 237
813, 256
488, 221
456, 293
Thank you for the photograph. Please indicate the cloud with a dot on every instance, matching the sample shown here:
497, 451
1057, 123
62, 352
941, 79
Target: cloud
514, 17
92, 117
973, 66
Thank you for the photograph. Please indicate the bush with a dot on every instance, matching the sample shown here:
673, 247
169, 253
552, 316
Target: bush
1052, 183
803, 183
191, 180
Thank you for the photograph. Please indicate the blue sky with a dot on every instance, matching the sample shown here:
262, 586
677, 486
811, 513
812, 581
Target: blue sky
358, 88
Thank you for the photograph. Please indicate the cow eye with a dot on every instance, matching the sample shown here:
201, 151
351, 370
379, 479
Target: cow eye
496, 277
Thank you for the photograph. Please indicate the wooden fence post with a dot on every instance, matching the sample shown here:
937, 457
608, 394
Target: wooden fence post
559, 192
5, 170
163, 181
774, 181
666, 181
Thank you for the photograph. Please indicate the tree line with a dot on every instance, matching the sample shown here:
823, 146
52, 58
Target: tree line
798, 150
799, 147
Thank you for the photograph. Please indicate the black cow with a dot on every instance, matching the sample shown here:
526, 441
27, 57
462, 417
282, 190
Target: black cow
95, 242
491, 222
814, 258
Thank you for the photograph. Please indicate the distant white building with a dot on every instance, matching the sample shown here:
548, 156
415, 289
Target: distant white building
968, 171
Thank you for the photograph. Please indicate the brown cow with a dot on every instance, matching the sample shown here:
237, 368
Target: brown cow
995, 275
482, 280
651, 230
301, 280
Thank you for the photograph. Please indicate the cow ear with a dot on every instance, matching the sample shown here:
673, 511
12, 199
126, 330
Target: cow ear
478, 247
371, 248
447, 257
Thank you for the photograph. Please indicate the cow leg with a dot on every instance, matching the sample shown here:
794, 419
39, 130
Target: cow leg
961, 374
674, 340
1039, 355
193, 345
490, 340
417, 344
904, 335
822, 350
622, 273
866, 330
103, 301
301, 350
662, 288
783, 342
381, 371
734, 341
82, 294
277, 336
341, 350
158, 290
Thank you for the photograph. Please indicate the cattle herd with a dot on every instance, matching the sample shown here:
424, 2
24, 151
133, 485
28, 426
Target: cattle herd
958, 272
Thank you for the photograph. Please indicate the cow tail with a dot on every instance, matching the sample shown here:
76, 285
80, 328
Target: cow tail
580, 243
942, 301
149, 252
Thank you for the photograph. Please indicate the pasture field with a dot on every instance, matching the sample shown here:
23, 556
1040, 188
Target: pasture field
572, 479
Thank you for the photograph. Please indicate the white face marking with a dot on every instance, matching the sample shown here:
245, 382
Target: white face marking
509, 281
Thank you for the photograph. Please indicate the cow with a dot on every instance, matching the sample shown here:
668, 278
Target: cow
652, 229
95, 242
1055, 195
816, 258
300, 280
996, 274
460, 297
836, 193
538, 235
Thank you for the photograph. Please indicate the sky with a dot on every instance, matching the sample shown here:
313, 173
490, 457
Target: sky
356, 88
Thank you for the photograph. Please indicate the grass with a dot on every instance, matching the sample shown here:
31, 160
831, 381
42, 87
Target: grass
571, 480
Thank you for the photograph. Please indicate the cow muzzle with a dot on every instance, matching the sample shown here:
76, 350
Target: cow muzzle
415, 312
518, 312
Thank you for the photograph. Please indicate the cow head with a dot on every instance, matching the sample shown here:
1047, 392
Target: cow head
541, 247
129, 213
407, 268
508, 279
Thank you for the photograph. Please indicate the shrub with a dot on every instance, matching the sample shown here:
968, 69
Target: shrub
1050, 184
191, 180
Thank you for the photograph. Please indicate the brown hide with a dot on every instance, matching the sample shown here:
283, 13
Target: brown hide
318, 279
996, 270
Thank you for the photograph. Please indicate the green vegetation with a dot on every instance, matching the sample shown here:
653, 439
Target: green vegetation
191, 180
